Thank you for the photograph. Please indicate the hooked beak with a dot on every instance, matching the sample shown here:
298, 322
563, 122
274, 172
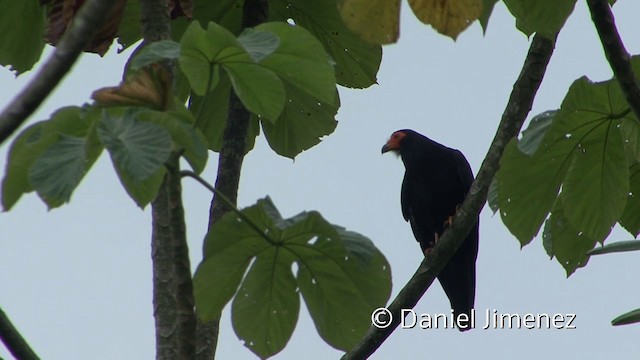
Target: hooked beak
386, 148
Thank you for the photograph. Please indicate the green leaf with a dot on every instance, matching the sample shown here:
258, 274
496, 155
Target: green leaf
21, 29
630, 129
259, 89
35, 140
356, 61
301, 61
630, 219
594, 206
154, 52
487, 9
138, 148
201, 49
129, 28
258, 44
528, 187
569, 245
620, 246
213, 113
58, 171
533, 135
269, 297
142, 192
303, 122
340, 299
183, 133
341, 275
590, 116
545, 17
631, 317
227, 13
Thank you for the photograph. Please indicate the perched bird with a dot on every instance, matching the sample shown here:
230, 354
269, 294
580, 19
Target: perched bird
436, 181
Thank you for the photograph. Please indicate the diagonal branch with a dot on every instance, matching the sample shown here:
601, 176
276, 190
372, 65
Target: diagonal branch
15, 343
616, 53
85, 23
519, 105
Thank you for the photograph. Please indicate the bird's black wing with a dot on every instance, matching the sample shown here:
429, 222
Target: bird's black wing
464, 170
458, 278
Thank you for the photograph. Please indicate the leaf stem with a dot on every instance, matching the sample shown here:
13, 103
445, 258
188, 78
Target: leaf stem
241, 215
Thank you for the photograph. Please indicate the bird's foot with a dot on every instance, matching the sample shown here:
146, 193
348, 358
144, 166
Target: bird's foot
449, 220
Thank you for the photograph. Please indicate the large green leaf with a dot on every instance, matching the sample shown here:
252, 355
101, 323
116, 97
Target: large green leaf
227, 13
268, 296
533, 135
154, 52
212, 113
567, 244
487, 9
201, 49
260, 89
590, 115
32, 142
341, 275
142, 192
183, 133
129, 29
303, 122
258, 44
527, 188
630, 219
21, 30
597, 182
584, 127
204, 53
58, 171
301, 61
545, 17
137, 148
356, 61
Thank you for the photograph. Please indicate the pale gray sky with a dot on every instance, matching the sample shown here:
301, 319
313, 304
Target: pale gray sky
77, 280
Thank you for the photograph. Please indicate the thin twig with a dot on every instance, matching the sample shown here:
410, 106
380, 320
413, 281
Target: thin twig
230, 204
85, 24
13, 340
615, 51
519, 105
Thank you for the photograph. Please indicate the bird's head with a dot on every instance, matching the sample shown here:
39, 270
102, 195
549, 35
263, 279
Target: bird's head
395, 141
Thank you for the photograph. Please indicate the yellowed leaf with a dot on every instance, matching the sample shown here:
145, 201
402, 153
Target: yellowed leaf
150, 87
448, 17
376, 21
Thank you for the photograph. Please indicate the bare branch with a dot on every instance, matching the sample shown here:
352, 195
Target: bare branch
616, 53
85, 24
519, 105
15, 343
